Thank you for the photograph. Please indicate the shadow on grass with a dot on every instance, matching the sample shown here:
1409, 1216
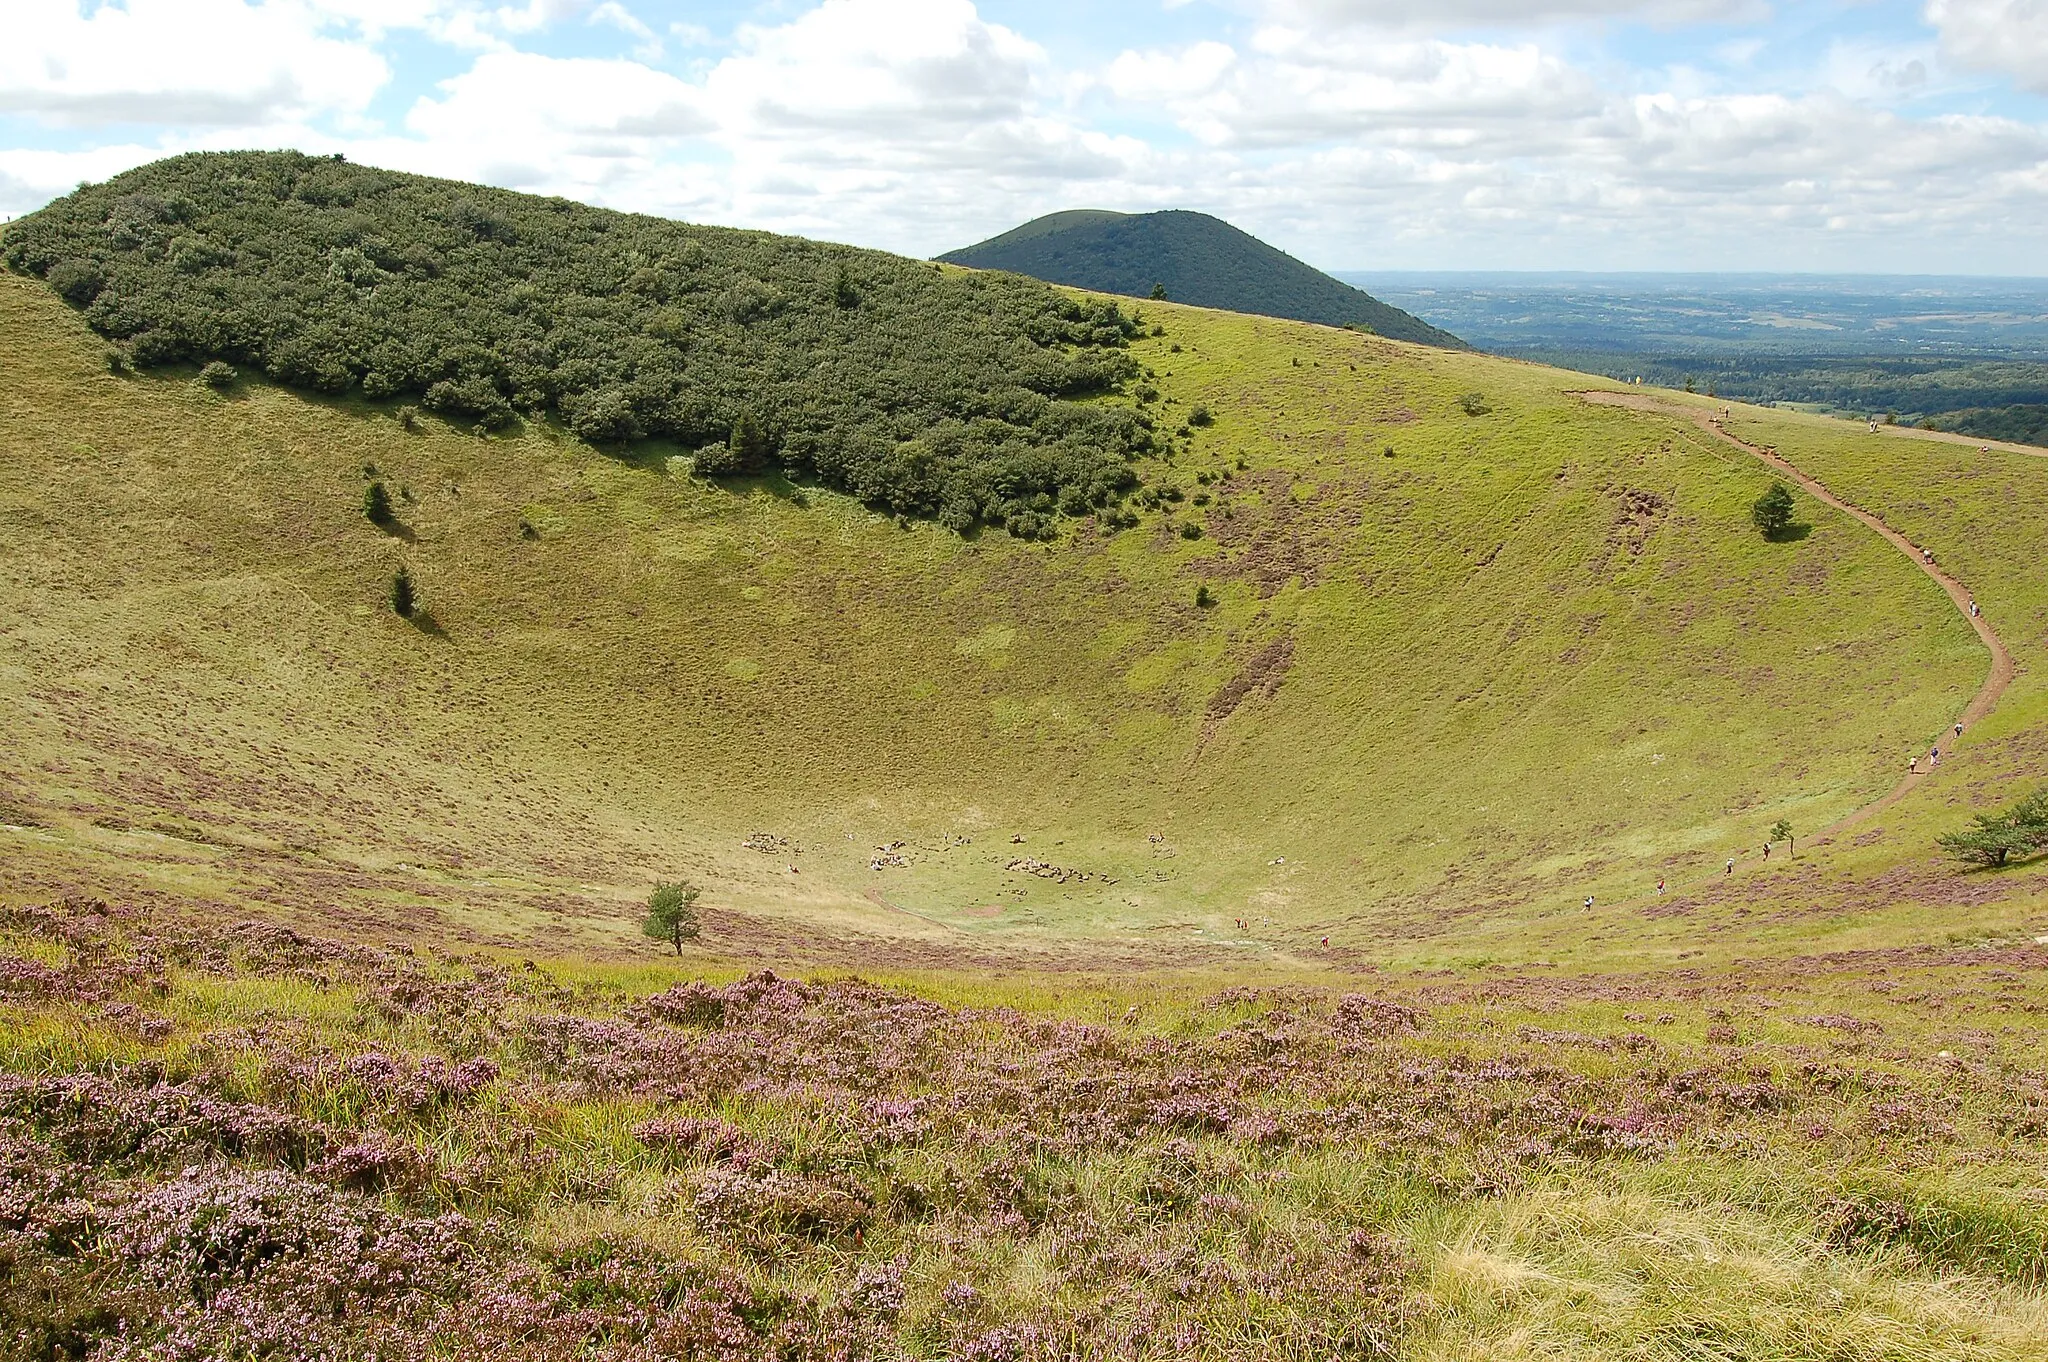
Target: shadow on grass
424, 621
1791, 534
2016, 862
397, 529
775, 484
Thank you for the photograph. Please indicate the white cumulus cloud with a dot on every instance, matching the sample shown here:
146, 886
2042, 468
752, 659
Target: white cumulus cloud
583, 127
2007, 36
1346, 137
192, 63
1440, 14
889, 117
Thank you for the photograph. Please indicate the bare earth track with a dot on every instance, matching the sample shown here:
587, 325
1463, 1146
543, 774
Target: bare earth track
2001, 673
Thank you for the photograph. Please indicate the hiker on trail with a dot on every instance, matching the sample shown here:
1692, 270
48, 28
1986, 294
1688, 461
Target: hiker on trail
1767, 851
1934, 758
1660, 884
1326, 941
1959, 730
1912, 766
1731, 867
1589, 903
1973, 608
1873, 425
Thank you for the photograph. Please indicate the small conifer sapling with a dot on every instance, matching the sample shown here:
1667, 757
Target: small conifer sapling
402, 602
1773, 511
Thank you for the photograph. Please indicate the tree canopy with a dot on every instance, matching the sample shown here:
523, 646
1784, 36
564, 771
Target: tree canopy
2020, 829
920, 390
1773, 511
672, 914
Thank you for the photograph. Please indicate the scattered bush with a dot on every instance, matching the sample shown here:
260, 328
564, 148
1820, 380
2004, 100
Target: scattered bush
377, 505
1204, 598
217, 376
1474, 404
1190, 529
1201, 416
402, 602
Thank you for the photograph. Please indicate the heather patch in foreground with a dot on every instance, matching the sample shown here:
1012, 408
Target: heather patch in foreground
240, 1141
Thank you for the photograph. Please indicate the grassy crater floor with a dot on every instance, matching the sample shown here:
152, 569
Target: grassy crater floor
1476, 651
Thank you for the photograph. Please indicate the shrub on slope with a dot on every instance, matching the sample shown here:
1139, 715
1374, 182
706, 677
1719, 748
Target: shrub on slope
922, 392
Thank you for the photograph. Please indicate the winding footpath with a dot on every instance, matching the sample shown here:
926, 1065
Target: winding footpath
2001, 673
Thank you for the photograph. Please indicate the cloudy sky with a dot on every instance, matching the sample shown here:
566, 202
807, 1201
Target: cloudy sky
1866, 135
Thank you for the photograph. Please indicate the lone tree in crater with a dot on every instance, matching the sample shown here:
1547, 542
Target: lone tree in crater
672, 914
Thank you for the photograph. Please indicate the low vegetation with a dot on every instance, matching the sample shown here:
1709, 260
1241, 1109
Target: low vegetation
927, 392
233, 1140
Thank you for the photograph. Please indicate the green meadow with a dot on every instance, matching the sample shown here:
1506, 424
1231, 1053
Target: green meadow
1472, 650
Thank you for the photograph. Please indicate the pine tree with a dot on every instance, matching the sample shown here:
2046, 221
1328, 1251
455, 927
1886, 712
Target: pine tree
1773, 511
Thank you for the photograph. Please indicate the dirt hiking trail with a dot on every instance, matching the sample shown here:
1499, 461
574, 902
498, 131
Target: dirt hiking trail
2001, 673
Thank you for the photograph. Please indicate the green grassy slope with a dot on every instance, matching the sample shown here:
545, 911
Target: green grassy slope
1984, 514
1443, 694
1200, 259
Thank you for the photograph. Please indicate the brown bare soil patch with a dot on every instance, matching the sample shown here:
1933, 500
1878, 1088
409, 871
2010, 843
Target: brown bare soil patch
1264, 672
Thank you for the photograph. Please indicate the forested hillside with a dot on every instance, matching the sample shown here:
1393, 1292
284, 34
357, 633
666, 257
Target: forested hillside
923, 391
1195, 259
2023, 423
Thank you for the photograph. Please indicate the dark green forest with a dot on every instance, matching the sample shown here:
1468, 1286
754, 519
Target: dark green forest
921, 391
2022, 423
1191, 258
1997, 398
